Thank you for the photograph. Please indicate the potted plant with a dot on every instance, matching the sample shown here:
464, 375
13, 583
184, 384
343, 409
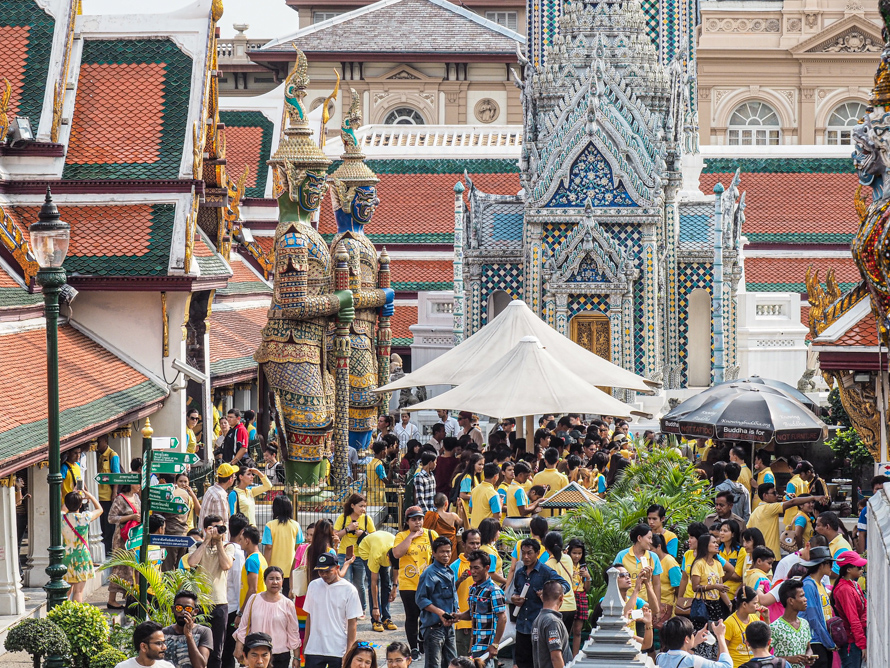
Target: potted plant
37, 637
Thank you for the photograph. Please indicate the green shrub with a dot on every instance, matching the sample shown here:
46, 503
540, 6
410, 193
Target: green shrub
108, 658
120, 637
85, 627
37, 637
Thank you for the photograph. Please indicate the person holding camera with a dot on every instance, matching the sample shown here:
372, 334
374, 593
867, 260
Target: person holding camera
437, 599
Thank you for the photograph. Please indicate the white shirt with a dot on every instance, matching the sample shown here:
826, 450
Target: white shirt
329, 608
233, 579
133, 663
406, 433
452, 428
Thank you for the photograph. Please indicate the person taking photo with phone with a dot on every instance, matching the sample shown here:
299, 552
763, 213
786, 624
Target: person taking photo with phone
188, 643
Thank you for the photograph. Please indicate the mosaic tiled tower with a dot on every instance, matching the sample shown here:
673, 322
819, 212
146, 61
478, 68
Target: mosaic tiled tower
592, 242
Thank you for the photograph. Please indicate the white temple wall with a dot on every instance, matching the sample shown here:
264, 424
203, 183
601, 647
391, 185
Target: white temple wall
772, 340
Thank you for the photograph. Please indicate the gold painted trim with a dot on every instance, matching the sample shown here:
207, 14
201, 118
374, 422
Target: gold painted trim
43, 464
166, 323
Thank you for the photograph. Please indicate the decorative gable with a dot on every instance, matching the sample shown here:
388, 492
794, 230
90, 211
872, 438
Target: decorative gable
590, 178
853, 35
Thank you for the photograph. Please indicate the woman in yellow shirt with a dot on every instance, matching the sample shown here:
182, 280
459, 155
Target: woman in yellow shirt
706, 580
563, 565
351, 528
731, 549
281, 537
737, 622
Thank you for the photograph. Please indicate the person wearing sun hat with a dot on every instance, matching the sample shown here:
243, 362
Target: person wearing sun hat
216, 498
332, 610
849, 604
818, 610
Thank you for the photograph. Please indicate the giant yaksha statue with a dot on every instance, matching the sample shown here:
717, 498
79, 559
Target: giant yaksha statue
354, 198
293, 353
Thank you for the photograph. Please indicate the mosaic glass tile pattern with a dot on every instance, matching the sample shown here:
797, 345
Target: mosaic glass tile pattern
113, 138
691, 276
590, 177
248, 143
26, 35
580, 303
506, 277
507, 226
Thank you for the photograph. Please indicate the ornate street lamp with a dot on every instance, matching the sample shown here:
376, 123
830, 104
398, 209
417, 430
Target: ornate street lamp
49, 243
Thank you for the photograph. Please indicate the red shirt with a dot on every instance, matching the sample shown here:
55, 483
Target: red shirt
849, 605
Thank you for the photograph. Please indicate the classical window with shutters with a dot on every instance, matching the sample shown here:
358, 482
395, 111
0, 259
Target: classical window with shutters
506, 19
841, 122
318, 17
754, 123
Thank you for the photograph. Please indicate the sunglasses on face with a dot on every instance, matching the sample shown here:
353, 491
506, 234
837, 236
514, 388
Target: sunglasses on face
183, 608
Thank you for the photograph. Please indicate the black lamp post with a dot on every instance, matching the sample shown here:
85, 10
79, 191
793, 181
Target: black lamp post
49, 243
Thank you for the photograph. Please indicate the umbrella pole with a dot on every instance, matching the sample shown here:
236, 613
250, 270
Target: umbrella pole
529, 433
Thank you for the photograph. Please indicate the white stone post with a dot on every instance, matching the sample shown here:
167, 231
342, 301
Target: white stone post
242, 399
97, 547
119, 441
38, 526
12, 600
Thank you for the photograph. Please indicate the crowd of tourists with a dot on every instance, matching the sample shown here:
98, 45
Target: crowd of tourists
769, 579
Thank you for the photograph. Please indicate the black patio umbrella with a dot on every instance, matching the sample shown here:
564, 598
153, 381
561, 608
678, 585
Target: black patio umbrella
792, 392
752, 415
670, 422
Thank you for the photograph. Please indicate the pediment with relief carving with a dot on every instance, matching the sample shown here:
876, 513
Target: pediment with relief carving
852, 35
403, 73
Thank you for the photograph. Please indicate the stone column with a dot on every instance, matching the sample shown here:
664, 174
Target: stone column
97, 547
119, 441
228, 395
38, 523
242, 397
12, 600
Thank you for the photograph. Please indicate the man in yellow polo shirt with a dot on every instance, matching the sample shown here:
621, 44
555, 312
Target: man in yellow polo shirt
737, 455
762, 459
376, 472
799, 485
485, 500
766, 516
518, 504
551, 479
374, 549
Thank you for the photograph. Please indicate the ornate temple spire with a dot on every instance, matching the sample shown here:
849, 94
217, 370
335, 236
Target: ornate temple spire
353, 172
297, 153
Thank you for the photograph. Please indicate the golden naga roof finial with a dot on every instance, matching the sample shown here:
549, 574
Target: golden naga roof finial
4, 109
216, 10
295, 88
325, 114
880, 95
352, 121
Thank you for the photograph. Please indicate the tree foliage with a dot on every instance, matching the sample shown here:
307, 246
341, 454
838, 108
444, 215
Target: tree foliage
163, 585
85, 627
846, 442
37, 637
661, 476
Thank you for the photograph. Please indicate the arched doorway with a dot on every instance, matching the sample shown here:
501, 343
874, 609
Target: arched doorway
698, 340
497, 302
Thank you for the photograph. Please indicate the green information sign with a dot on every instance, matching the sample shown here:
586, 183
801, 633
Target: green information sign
118, 479
167, 468
169, 507
159, 493
134, 542
164, 457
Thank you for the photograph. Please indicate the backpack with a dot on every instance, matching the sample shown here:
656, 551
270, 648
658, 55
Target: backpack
765, 662
835, 626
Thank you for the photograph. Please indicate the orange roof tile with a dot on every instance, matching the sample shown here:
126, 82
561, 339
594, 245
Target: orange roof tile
7, 281
795, 207
863, 333
419, 203
267, 244
202, 248
234, 338
13, 56
787, 274
416, 275
126, 239
243, 145
243, 280
403, 317
95, 387
118, 114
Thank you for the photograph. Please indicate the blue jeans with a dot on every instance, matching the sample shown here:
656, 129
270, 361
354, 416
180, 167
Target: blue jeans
356, 575
851, 656
384, 588
439, 646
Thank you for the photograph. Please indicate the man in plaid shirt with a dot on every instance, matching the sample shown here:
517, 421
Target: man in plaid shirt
488, 609
425, 482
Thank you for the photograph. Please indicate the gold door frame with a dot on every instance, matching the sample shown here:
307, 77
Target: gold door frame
593, 330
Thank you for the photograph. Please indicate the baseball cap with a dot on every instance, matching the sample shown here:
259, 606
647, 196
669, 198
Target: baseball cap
325, 561
224, 471
257, 640
818, 555
414, 511
850, 558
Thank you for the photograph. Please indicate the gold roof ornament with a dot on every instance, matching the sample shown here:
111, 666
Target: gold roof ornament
297, 153
353, 172
880, 95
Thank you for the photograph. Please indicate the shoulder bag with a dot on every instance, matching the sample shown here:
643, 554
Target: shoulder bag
125, 528
299, 577
698, 612
76, 532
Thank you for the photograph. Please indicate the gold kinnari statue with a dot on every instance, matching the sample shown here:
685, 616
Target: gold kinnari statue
293, 354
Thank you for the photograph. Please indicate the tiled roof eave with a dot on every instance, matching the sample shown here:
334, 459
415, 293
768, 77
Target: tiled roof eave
77, 427
102, 186
225, 372
169, 283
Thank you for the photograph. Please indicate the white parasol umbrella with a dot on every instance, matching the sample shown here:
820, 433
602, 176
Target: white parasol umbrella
516, 321
528, 380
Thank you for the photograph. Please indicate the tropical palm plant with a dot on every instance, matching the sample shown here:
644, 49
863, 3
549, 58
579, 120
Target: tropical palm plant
163, 586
